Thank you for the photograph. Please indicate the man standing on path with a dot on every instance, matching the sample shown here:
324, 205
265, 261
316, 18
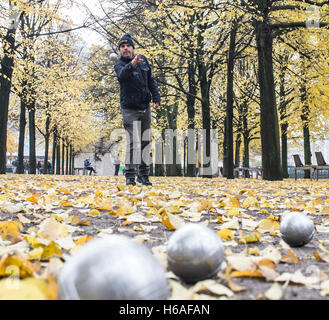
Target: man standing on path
136, 87
116, 164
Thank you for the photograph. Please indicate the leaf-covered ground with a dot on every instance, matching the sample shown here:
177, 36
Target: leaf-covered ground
44, 219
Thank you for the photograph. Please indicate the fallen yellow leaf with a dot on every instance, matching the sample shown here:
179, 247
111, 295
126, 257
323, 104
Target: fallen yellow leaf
138, 228
65, 203
268, 225
246, 273
173, 209
84, 239
33, 242
122, 211
226, 234
149, 203
15, 265
233, 212
220, 219
322, 257
51, 250
251, 237
233, 286
205, 205
35, 253
170, 221
291, 258
93, 213
106, 205
250, 202
127, 223
64, 190
254, 251
9, 230
33, 199
232, 202
264, 211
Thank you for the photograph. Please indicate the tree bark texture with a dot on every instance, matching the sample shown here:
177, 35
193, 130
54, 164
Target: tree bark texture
270, 138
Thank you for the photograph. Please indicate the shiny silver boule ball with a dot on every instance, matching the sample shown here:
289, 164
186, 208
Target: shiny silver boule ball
297, 229
113, 268
113, 57
195, 252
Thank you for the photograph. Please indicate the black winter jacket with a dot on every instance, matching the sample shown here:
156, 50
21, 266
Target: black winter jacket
136, 84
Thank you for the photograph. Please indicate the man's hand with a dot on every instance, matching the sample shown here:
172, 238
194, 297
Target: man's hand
136, 60
156, 105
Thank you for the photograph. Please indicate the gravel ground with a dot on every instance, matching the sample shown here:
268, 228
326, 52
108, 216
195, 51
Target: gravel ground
196, 190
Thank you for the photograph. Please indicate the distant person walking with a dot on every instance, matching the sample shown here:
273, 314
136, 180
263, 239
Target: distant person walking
14, 164
88, 166
48, 167
117, 165
39, 167
26, 166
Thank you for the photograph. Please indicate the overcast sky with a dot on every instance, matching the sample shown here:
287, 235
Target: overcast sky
78, 15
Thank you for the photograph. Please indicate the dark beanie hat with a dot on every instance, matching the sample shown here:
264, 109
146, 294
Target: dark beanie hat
126, 39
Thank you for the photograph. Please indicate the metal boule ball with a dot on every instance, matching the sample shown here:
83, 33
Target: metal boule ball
297, 229
195, 252
113, 57
113, 268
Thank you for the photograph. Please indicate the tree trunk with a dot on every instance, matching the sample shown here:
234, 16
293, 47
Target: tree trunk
47, 135
270, 138
161, 117
190, 102
245, 162
6, 72
306, 129
225, 158
32, 140
70, 161
246, 138
283, 115
284, 151
67, 160
173, 165
173, 169
229, 107
159, 155
63, 157
21, 138
171, 148
205, 104
237, 150
204, 84
284, 129
53, 158
58, 157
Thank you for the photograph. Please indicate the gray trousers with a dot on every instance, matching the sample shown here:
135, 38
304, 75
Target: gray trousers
137, 124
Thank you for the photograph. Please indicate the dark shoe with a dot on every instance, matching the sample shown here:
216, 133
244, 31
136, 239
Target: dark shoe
144, 180
130, 181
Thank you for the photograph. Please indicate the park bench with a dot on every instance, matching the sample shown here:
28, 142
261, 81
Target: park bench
300, 166
321, 164
248, 172
77, 170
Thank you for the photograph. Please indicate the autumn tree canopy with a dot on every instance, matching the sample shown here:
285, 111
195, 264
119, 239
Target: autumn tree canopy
256, 71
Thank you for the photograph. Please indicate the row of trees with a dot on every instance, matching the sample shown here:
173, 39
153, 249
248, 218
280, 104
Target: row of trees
254, 70
43, 82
